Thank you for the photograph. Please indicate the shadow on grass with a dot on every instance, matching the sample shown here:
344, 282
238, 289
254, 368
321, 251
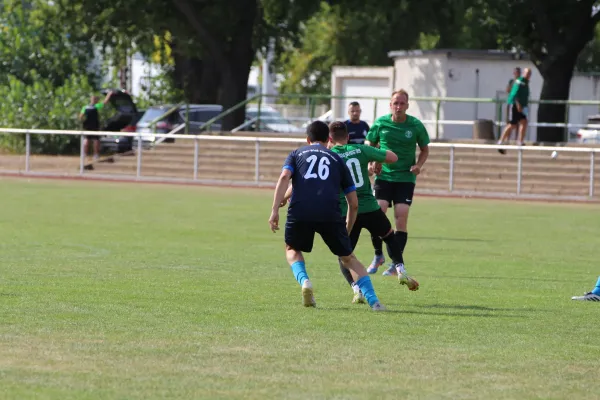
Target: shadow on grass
507, 278
474, 308
391, 309
450, 239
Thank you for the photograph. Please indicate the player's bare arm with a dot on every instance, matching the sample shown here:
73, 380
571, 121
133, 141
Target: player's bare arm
352, 199
280, 189
107, 98
423, 154
287, 196
390, 157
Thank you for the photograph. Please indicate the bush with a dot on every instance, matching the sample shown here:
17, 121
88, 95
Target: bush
40, 105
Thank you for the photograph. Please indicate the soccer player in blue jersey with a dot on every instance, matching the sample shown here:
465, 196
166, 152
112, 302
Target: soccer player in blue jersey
317, 175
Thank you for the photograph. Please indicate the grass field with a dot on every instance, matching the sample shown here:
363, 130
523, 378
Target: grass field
122, 291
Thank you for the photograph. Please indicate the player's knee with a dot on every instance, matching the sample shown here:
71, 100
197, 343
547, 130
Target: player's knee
347, 260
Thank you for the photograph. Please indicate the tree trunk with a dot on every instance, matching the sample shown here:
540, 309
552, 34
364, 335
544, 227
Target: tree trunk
198, 79
556, 86
235, 83
232, 56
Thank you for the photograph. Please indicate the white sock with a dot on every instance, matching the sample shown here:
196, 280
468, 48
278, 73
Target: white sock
400, 269
355, 288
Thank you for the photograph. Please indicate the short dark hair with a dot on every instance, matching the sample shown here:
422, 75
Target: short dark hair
338, 130
354, 104
317, 131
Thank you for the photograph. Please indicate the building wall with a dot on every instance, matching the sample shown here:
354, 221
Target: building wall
356, 83
422, 76
462, 80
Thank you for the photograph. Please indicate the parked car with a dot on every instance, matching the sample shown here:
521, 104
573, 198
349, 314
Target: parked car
123, 119
199, 115
588, 135
270, 120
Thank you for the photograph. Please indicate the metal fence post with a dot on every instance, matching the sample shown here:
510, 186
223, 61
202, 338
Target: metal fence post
27, 151
196, 157
81, 155
139, 156
451, 177
519, 170
375, 109
187, 118
566, 132
498, 118
257, 161
592, 166
258, 114
438, 106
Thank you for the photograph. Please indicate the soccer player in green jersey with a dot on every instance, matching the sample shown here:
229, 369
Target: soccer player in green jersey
395, 184
370, 216
518, 99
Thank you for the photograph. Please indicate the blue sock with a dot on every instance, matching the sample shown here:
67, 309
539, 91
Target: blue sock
366, 287
299, 270
596, 290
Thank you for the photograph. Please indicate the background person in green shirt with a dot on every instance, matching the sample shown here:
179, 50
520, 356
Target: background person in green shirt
395, 185
90, 117
370, 216
518, 99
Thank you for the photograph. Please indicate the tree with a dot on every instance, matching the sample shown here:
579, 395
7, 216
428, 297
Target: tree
44, 75
553, 33
352, 32
213, 43
33, 42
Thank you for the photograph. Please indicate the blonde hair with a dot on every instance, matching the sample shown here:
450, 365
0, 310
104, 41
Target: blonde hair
401, 91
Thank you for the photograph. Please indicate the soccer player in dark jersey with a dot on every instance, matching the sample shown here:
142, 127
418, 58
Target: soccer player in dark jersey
357, 130
370, 216
317, 176
395, 185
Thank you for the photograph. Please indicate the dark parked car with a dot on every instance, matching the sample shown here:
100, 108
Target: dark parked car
124, 118
199, 115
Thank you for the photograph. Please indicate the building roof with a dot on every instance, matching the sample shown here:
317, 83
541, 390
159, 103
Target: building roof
461, 53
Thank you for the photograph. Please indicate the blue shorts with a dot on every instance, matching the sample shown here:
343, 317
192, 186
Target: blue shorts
300, 235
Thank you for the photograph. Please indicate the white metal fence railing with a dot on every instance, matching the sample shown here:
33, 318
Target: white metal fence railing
258, 140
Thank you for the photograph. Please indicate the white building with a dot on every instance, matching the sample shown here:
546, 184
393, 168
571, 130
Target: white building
479, 74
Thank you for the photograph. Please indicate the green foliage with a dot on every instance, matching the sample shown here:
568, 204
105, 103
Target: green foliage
589, 59
34, 43
41, 105
349, 32
159, 90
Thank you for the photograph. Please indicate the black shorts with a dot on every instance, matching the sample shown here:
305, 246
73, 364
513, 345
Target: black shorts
300, 235
376, 222
92, 137
394, 192
515, 116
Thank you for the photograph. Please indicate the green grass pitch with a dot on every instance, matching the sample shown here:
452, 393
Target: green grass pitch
126, 291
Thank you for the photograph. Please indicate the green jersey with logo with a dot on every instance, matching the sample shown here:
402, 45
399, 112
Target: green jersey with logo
519, 91
401, 138
357, 158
